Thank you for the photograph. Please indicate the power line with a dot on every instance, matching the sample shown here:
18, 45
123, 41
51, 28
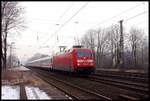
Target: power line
76, 13
67, 21
64, 14
141, 22
66, 11
135, 16
118, 14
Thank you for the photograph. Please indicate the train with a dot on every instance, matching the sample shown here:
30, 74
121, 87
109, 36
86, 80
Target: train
76, 59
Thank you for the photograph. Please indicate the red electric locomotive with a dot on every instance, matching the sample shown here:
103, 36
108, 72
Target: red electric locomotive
77, 59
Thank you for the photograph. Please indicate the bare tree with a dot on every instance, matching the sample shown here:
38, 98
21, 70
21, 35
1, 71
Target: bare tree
102, 45
135, 39
88, 40
143, 51
105, 44
97, 40
114, 37
12, 21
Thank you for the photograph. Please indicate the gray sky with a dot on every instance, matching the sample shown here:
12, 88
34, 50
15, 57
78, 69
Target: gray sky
42, 17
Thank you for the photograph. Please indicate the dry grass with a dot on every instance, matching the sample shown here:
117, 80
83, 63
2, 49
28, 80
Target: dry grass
16, 77
10, 75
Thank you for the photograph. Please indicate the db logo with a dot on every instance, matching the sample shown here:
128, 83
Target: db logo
84, 60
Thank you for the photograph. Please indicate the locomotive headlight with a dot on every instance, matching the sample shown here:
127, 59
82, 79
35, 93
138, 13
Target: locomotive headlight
79, 60
91, 64
78, 64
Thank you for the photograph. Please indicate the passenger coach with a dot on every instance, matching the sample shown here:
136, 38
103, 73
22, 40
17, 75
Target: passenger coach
77, 59
45, 62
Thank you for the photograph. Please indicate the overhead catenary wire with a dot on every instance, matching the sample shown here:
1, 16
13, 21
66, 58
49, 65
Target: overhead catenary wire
49, 20
63, 14
67, 21
118, 14
135, 16
66, 11
141, 22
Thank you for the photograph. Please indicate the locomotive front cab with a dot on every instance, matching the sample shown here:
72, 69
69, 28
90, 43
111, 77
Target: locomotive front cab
84, 61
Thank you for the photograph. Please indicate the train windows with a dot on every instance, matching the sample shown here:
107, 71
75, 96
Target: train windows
83, 54
46, 61
51, 60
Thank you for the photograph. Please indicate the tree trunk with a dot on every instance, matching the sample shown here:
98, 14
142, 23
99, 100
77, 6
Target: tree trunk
97, 55
112, 55
135, 56
142, 57
5, 52
5, 47
2, 62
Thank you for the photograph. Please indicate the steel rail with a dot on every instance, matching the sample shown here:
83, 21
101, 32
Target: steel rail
84, 93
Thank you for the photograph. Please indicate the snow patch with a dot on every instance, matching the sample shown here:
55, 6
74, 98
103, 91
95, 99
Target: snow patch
21, 68
68, 96
10, 92
35, 93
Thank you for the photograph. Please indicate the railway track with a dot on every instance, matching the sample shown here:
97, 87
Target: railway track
124, 82
137, 81
136, 90
143, 88
119, 73
74, 91
124, 77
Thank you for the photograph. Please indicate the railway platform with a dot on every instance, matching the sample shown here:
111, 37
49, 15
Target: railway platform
22, 83
20, 68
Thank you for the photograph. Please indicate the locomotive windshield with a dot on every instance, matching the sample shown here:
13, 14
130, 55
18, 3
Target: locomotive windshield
83, 54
